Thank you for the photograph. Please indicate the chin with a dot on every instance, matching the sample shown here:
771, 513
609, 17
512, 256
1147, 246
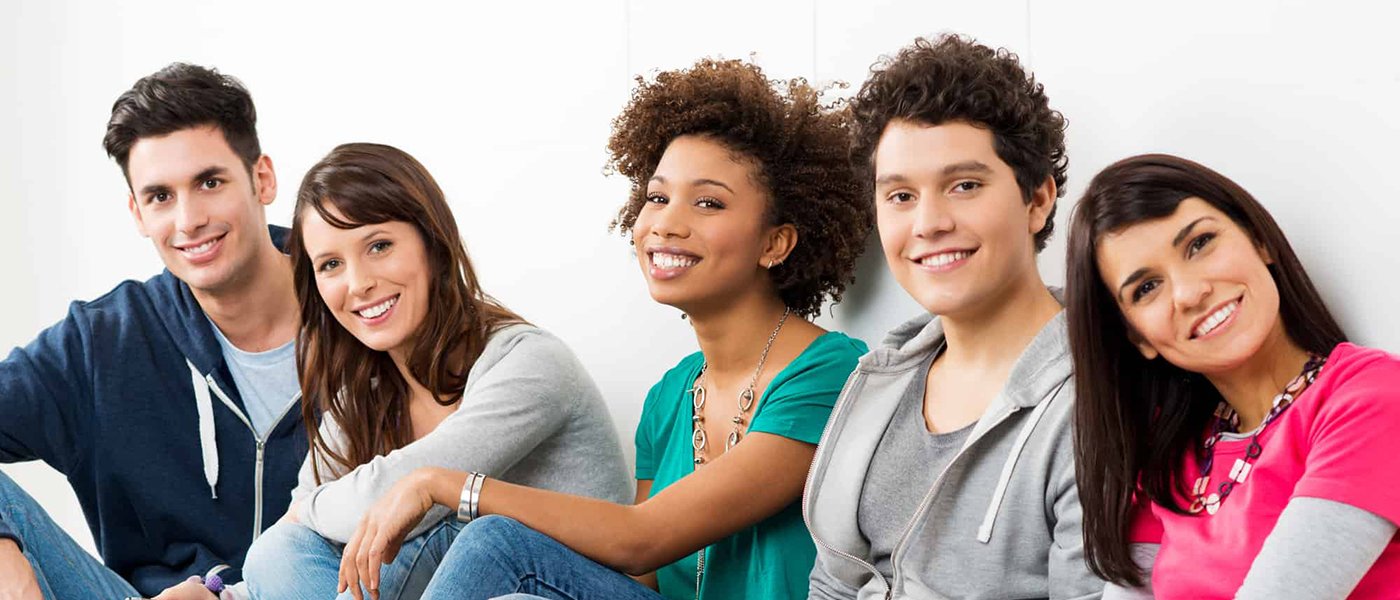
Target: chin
940, 301
379, 344
667, 297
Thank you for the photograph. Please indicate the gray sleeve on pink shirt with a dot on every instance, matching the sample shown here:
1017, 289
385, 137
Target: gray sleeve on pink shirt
1318, 549
1144, 555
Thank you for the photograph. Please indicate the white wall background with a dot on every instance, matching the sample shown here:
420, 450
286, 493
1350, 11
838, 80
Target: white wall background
509, 105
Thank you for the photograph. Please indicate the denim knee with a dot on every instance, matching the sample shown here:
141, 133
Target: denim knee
493, 540
15, 503
277, 557
11, 492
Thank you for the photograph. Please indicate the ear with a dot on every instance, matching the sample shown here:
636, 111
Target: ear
778, 245
136, 215
1264, 254
1147, 349
1042, 203
265, 180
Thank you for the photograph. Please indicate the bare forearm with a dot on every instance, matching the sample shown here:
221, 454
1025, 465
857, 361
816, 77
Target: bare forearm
685, 516
615, 535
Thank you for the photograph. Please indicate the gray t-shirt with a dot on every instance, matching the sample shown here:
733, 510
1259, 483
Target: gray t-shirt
902, 470
267, 381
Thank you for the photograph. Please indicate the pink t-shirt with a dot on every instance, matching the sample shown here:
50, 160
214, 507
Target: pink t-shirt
1339, 441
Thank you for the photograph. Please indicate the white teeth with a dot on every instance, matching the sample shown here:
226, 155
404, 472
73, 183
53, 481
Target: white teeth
672, 261
1216, 318
946, 258
378, 309
200, 249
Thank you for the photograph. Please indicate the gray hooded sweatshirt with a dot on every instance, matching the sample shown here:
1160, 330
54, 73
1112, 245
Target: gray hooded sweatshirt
1001, 521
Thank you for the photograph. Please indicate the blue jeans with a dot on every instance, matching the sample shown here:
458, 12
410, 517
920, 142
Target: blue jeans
291, 562
64, 570
495, 556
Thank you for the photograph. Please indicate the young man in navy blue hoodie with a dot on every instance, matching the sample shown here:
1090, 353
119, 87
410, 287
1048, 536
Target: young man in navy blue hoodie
170, 404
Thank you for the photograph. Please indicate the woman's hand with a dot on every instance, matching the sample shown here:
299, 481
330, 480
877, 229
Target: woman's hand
381, 532
192, 588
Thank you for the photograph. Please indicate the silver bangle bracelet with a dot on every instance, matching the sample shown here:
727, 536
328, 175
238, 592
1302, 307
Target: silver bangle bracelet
474, 508
464, 505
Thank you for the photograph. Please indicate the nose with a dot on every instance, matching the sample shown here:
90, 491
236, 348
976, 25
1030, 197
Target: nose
362, 280
669, 221
932, 217
190, 215
1190, 293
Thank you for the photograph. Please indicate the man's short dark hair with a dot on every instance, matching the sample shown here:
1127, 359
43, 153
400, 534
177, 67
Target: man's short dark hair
954, 79
182, 96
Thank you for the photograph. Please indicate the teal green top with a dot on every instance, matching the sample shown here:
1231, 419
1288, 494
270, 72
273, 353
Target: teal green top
773, 558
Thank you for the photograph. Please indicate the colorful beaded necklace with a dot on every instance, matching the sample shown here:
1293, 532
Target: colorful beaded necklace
1228, 421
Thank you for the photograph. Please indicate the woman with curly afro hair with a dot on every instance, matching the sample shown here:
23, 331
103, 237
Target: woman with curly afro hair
948, 468
746, 215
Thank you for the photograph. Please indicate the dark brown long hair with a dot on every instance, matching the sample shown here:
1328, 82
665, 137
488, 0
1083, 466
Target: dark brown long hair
361, 388
1136, 419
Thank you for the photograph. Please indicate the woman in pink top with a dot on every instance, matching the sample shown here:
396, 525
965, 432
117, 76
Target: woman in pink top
1230, 443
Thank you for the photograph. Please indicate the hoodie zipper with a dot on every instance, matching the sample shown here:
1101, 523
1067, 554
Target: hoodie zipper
856, 380
261, 447
933, 490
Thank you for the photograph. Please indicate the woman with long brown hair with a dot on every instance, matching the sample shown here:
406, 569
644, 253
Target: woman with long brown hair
408, 363
746, 216
1230, 442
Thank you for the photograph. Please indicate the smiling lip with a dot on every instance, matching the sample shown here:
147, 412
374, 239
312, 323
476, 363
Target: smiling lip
388, 311
669, 263
202, 252
943, 261
1224, 322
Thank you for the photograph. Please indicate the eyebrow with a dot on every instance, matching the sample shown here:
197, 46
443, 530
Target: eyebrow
1185, 231
371, 233
1133, 278
697, 182
967, 166
1176, 241
199, 177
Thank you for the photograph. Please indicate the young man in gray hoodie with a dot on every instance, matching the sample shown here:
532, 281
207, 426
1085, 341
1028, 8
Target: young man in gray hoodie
947, 468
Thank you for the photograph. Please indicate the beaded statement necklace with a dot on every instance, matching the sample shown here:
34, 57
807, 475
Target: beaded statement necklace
699, 441
1228, 421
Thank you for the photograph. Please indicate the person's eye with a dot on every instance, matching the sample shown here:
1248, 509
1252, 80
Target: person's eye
708, 202
161, 197
1199, 243
328, 265
900, 198
380, 246
963, 187
211, 183
1145, 288
656, 199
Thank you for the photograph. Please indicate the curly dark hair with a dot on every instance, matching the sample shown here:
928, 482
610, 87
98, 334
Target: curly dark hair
798, 148
954, 78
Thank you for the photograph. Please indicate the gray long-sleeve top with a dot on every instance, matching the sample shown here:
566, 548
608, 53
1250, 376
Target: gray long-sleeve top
530, 414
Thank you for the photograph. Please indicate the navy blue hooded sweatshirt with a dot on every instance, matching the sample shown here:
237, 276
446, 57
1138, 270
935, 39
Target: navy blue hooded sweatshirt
130, 399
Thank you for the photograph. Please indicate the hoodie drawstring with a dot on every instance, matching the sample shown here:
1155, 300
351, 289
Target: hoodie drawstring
208, 445
984, 532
